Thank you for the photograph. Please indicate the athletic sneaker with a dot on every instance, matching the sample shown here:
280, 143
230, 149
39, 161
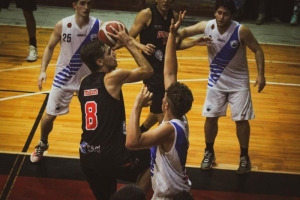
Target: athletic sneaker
245, 165
33, 54
208, 160
37, 155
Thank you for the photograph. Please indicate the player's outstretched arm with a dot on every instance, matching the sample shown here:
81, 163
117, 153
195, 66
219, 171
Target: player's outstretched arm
171, 64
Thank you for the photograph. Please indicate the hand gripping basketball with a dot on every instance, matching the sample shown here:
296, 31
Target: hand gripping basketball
106, 28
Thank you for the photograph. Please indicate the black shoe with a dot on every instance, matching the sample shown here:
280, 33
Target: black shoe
208, 160
245, 165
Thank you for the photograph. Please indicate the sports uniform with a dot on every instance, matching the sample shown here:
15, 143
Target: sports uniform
157, 34
69, 68
228, 80
167, 183
103, 155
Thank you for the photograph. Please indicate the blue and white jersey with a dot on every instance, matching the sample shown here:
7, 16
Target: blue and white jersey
70, 69
227, 59
168, 172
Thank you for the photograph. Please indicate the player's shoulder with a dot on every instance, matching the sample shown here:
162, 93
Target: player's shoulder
144, 16
145, 12
59, 24
66, 20
244, 27
245, 33
94, 18
244, 30
69, 17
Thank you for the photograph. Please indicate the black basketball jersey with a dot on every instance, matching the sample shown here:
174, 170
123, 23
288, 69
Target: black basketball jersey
157, 33
103, 124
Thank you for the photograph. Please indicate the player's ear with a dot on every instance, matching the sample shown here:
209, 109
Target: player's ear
74, 3
99, 62
166, 105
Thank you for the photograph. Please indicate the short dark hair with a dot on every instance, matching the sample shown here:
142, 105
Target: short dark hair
228, 4
129, 192
91, 52
180, 98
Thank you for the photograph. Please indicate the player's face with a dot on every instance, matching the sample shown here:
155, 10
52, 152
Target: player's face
83, 7
164, 5
223, 17
110, 60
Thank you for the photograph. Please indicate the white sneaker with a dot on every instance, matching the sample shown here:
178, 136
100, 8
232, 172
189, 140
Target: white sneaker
37, 155
33, 54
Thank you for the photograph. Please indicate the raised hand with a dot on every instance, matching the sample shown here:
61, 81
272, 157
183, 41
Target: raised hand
174, 27
143, 99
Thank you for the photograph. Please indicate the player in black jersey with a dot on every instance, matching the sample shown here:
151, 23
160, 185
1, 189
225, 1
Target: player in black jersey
152, 25
103, 155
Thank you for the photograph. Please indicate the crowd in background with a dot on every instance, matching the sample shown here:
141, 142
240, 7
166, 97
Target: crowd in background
268, 10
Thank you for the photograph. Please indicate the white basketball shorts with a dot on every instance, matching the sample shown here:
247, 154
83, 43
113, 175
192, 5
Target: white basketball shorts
240, 103
59, 101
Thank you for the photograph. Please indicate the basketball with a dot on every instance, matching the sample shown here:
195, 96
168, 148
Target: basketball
105, 28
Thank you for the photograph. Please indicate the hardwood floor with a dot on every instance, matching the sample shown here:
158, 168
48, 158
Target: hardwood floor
274, 142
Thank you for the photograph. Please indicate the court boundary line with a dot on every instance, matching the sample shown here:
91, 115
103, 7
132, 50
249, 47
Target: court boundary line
179, 80
219, 166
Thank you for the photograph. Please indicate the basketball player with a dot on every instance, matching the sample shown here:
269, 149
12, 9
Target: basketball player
169, 141
103, 155
71, 32
152, 25
228, 81
28, 7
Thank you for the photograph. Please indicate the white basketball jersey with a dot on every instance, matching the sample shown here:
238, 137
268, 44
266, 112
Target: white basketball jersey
227, 59
70, 69
168, 172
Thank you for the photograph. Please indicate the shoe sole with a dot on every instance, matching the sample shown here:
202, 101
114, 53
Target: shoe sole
36, 162
246, 172
241, 173
210, 167
31, 60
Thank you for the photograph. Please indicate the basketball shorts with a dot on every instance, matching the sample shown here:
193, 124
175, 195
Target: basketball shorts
158, 95
27, 5
103, 182
59, 101
240, 103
